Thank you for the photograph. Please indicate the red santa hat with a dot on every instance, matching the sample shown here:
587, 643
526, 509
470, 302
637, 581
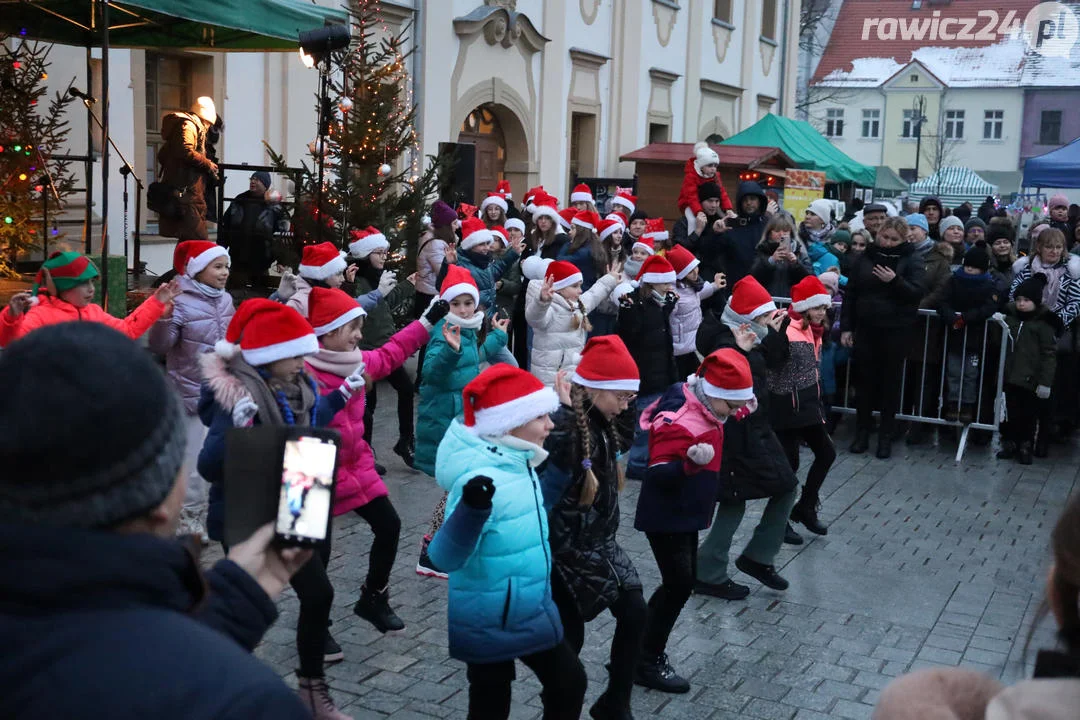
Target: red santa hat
493, 199
618, 215
318, 262
503, 188
530, 196
563, 274
586, 219
191, 257
682, 260
546, 206
606, 364
364, 242
809, 293
516, 224
725, 374
473, 233
655, 230
645, 243
750, 299
625, 199
504, 397
498, 232
263, 331
457, 282
330, 308
656, 271
608, 227
581, 193
566, 217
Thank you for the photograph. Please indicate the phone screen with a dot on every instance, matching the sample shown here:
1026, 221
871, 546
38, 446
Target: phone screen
307, 482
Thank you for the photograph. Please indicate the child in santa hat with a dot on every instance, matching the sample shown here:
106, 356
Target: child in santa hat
493, 210
323, 265
591, 572
795, 407
200, 317
63, 291
475, 255
557, 311
340, 326
256, 376
702, 168
581, 198
585, 250
686, 318
495, 546
644, 325
453, 358
679, 490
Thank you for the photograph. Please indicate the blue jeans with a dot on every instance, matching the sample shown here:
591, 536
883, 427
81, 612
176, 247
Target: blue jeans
638, 458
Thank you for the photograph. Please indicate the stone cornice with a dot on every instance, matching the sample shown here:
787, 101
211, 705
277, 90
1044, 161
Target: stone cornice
501, 26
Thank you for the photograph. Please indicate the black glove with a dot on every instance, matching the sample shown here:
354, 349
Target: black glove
671, 298
438, 310
1054, 320
478, 492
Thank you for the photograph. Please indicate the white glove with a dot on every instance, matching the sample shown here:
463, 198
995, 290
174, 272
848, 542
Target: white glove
1042, 392
354, 382
998, 317
244, 412
701, 454
388, 281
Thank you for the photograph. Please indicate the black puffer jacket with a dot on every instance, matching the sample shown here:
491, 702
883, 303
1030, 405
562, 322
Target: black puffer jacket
585, 555
645, 328
754, 464
874, 303
739, 242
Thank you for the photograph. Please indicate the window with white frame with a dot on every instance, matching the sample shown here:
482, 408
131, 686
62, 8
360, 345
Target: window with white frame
992, 123
834, 122
954, 124
908, 128
871, 123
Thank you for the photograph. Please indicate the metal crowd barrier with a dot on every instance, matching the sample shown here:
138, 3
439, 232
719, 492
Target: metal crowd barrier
927, 378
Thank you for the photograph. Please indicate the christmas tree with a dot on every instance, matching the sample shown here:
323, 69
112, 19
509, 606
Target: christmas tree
29, 136
373, 173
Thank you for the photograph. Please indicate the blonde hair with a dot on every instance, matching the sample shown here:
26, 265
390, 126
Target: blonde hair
581, 321
590, 484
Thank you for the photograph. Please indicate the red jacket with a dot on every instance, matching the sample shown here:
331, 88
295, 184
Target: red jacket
52, 311
688, 197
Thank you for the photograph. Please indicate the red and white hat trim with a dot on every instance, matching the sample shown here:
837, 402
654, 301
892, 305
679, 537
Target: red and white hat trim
655, 235
625, 202
545, 208
567, 280
322, 272
501, 419
367, 242
583, 222
341, 320
646, 246
476, 236
493, 199
746, 393
680, 274
200, 262
657, 278
812, 302
515, 223
499, 233
581, 193
631, 384
608, 231
461, 283
297, 347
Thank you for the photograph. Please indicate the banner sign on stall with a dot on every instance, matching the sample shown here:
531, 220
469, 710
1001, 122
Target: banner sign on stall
802, 187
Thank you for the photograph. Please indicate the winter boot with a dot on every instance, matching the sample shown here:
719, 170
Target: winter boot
884, 446
727, 590
374, 606
315, 695
805, 512
791, 537
861, 443
1007, 451
332, 652
654, 671
605, 709
764, 574
405, 448
1023, 454
967, 414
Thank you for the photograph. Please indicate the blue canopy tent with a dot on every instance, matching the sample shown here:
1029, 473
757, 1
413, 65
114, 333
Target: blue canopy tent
1056, 169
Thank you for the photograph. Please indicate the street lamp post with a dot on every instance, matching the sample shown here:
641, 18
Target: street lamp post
918, 118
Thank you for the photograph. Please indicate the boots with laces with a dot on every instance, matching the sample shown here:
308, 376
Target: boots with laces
315, 694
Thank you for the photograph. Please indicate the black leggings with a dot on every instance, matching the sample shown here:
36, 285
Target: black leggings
676, 558
629, 611
879, 355
386, 527
559, 671
403, 386
817, 437
316, 595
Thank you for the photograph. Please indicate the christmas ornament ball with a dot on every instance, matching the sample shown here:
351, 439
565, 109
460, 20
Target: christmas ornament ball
385, 169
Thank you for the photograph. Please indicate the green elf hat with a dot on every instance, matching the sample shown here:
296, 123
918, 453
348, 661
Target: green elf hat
63, 271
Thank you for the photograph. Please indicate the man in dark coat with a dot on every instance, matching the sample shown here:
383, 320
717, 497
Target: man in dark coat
701, 239
738, 237
104, 614
248, 228
185, 167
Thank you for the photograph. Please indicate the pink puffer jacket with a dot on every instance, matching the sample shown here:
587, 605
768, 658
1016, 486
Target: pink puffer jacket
358, 483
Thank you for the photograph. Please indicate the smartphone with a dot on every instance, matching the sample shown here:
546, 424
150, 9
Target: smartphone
306, 487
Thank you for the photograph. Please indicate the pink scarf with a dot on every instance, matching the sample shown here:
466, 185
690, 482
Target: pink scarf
339, 363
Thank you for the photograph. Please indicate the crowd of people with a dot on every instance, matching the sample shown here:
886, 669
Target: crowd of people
560, 354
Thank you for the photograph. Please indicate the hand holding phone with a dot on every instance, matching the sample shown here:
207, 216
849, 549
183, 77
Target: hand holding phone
308, 467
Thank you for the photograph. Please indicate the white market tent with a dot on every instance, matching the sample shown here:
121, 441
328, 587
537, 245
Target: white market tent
953, 186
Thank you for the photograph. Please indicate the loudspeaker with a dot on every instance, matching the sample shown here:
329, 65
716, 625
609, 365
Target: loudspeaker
458, 184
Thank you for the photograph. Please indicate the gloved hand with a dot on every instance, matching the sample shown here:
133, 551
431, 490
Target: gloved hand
1043, 392
478, 492
354, 382
387, 281
437, 309
701, 453
998, 317
243, 412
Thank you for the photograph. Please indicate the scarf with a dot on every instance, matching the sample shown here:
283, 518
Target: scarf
1053, 274
335, 362
822, 235
734, 320
480, 261
699, 393
632, 268
472, 323
696, 285
295, 399
210, 292
658, 297
539, 454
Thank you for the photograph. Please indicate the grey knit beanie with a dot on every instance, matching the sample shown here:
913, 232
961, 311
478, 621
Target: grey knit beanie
90, 433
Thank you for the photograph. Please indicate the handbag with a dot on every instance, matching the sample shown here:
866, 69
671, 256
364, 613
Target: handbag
164, 199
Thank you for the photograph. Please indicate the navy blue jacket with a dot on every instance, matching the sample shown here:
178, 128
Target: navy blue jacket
97, 624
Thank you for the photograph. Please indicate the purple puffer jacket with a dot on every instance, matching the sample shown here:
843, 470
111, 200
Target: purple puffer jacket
197, 322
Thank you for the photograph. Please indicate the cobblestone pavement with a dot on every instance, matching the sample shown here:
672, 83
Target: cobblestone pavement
926, 563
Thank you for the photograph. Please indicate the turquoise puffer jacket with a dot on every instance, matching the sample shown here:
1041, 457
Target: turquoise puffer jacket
446, 373
499, 562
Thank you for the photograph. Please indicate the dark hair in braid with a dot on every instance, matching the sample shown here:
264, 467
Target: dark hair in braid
590, 485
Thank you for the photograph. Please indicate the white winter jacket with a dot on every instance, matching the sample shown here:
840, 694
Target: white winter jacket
686, 317
556, 343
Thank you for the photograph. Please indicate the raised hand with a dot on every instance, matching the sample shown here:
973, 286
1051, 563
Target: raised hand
517, 245
546, 290
562, 388
452, 334
499, 323
615, 269
350, 272
244, 411
436, 310
847, 339
478, 492
720, 281
745, 337
387, 281
776, 322
699, 222
169, 292
20, 303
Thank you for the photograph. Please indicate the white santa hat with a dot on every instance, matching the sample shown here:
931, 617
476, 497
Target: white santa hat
495, 199
473, 233
515, 223
704, 155
366, 241
263, 331
606, 364
581, 193
191, 257
725, 374
504, 397
319, 262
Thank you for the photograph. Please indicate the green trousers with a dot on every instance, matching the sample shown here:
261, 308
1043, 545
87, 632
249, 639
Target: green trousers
712, 566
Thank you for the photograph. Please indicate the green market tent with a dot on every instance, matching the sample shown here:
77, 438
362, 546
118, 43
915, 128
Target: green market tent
806, 146
953, 186
888, 182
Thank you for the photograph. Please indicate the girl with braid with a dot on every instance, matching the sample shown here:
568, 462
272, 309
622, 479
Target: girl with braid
590, 572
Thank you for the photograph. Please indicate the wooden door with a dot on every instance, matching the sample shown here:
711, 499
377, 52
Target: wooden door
489, 163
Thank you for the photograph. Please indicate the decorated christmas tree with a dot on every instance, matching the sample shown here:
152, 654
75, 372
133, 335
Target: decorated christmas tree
374, 174
30, 134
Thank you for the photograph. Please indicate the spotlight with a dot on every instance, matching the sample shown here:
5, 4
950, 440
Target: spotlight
316, 44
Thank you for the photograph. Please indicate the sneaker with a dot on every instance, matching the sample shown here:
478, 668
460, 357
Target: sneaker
315, 694
727, 590
764, 574
654, 671
424, 566
332, 652
791, 537
375, 608
807, 514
